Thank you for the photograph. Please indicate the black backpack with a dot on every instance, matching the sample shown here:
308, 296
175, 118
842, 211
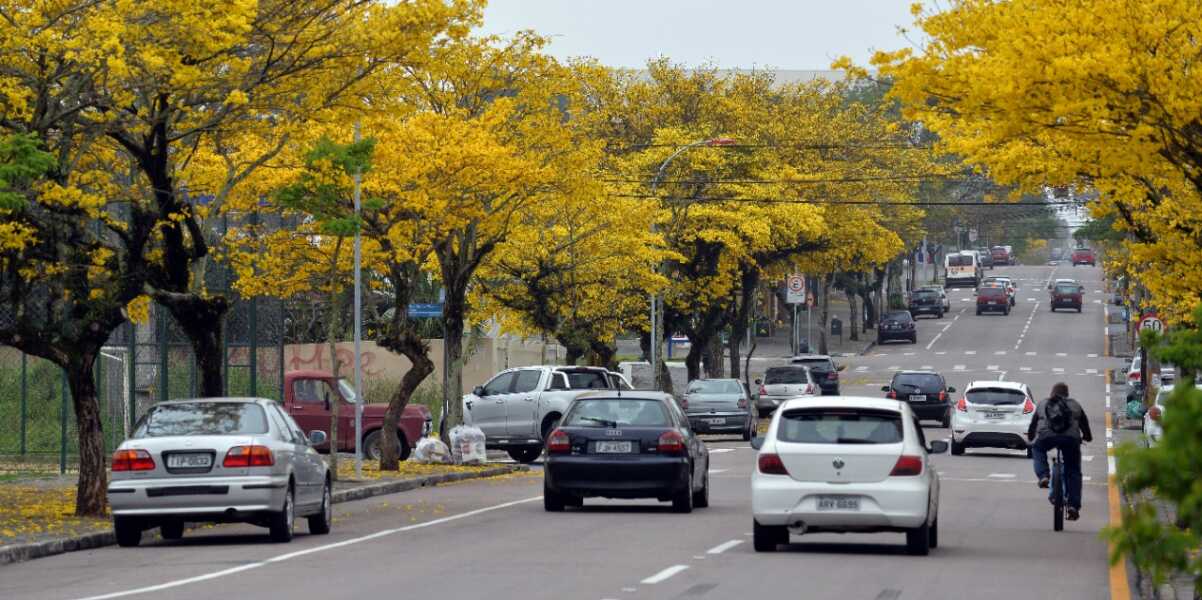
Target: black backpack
1060, 415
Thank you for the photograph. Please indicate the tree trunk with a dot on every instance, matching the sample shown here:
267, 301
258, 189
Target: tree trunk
712, 358
869, 311
853, 318
745, 308
454, 325
824, 288
202, 321
604, 354
411, 346
692, 361
91, 496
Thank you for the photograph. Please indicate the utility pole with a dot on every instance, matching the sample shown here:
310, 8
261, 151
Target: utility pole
358, 324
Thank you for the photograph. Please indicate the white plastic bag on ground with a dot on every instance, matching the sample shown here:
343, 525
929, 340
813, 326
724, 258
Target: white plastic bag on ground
431, 451
467, 445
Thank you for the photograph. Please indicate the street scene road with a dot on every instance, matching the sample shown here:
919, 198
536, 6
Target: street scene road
493, 538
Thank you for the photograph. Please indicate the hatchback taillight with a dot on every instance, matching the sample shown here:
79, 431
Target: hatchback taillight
1028, 407
1133, 376
962, 405
763, 391
248, 456
891, 394
833, 375
132, 460
771, 464
907, 466
671, 442
1153, 412
559, 442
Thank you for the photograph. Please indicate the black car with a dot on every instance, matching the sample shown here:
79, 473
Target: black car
986, 257
926, 301
625, 445
927, 393
897, 325
823, 371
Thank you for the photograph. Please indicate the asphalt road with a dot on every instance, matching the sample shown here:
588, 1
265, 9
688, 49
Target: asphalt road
492, 539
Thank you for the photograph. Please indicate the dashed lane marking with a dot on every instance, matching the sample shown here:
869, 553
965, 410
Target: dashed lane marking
1031, 354
970, 352
723, 547
893, 368
940, 353
958, 368
991, 368
1062, 354
1002, 476
1091, 371
1092, 355
721, 450
665, 574
926, 367
1000, 353
1024, 368
1057, 370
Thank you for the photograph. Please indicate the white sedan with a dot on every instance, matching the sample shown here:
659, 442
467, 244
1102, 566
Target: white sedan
845, 464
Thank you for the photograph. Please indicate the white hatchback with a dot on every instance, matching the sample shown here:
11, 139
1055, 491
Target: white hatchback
993, 414
845, 465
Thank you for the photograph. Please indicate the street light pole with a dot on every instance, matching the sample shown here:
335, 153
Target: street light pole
358, 325
656, 302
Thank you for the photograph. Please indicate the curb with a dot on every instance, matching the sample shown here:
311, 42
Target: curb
16, 553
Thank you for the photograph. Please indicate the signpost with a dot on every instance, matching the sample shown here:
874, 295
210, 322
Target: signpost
795, 293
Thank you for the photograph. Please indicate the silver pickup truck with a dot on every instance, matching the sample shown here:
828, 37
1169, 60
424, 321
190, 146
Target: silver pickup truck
519, 407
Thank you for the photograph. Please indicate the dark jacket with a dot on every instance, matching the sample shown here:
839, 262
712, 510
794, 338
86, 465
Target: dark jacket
1040, 428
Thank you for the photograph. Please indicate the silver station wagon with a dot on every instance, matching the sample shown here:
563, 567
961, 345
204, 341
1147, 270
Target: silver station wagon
218, 460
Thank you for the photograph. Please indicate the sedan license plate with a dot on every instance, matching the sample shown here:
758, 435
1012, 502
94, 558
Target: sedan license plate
918, 397
718, 421
192, 460
838, 503
613, 447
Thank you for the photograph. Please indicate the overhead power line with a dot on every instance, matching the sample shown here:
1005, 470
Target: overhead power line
794, 146
792, 181
740, 199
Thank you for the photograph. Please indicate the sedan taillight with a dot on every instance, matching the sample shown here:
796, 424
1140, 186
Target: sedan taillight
907, 466
943, 396
671, 442
248, 456
132, 460
962, 405
559, 442
771, 464
1155, 413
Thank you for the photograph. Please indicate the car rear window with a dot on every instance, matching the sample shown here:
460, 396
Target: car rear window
959, 260
614, 412
924, 294
715, 386
819, 364
992, 291
203, 418
995, 396
839, 426
786, 375
898, 316
587, 380
1066, 289
923, 382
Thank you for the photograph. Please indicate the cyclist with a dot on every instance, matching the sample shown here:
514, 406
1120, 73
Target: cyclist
1060, 422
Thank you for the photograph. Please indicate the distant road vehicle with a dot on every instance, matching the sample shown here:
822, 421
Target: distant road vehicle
627, 445
1006, 282
845, 464
896, 325
1084, 256
986, 258
963, 269
992, 414
823, 369
926, 301
784, 383
1000, 255
993, 299
218, 460
719, 406
1066, 295
927, 393
942, 293
309, 397
1153, 430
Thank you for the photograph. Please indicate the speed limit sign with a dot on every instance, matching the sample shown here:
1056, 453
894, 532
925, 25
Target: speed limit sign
795, 287
1151, 323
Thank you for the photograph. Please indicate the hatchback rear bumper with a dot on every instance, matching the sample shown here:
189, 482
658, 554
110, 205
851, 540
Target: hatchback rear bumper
197, 496
626, 477
897, 503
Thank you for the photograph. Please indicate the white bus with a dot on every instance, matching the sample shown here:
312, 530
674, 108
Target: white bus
963, 269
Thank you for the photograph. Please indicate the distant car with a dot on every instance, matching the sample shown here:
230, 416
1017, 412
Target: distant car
719, 406
783, 383
992, 414
1000, 255
926, 301
1005, 282
823, 369
1084, 256
309, 396
926, 392
218, 460
993, 299
896, 325
1066, 295
1053, 284
627, 445
986, 257
845, 464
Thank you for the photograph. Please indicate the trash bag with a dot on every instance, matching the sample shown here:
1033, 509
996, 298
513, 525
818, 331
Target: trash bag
431, 451
467, 445
1135, 409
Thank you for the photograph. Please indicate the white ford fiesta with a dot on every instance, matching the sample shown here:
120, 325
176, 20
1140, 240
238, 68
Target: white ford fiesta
845, 465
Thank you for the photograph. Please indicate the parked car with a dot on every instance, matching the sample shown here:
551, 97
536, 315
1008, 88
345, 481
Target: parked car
619, 382
1084, 256
218, 460
845, 464
1153, 430
947, 305
927, 393
719, 406
1066, 295
632, 445
1000, 255
926, 301
783, 383
896, 325
518, 408
993, 299
309, 397
992, 414
823, 369
1165, 375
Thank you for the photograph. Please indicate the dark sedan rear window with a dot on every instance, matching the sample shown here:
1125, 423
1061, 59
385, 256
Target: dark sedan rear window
923, 382
816, 364
995, 396
898, 316
786, 375
203, 418
925, 293
1066, 289
840, 426
990, 292
613, 413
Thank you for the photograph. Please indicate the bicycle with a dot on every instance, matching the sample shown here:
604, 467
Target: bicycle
1058, 491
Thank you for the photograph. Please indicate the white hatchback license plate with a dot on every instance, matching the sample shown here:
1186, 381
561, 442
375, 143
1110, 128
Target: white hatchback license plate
918, 397
838, 503
715, 421
613, 447
197, 460
995, 415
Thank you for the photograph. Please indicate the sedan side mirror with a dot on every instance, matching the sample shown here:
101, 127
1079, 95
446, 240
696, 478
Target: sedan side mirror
885, 388
478, 391
758, 381
317, 437
757, 442
937, 447
951, 390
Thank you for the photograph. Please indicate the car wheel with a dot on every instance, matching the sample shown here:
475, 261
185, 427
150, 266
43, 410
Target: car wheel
701, 498
550, 423
918, 540
683, 501
946, 422
978, 312
525, 455
373, 445
282, 522
750, 431
128, 531
763, 413
766, 538
914, 338
1078, 309
319, 523
172, 530
552, 501
957, 448
934, 541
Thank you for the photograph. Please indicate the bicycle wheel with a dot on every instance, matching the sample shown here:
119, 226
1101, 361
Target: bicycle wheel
1057, 495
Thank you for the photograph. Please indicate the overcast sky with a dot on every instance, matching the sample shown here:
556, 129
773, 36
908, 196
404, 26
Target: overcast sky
782, 34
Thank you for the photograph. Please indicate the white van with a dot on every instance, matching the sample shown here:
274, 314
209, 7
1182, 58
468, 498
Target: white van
963, 269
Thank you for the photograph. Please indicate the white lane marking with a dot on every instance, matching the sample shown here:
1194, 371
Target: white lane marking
934, 339
1002, 476
1086, 478
926, 367
723, 547
1061, 354
941, 353
1024, 368
1057, 370
1091, 371
1109, 444
665, 574
893, 368
630, 589
958, 368
716, 471
907, 354
1000, 353
1087, 458
861, 368
1108, 387
991, 368
721, 450
291, 555
1110, 468
1107, 401
1031, 354
970, 352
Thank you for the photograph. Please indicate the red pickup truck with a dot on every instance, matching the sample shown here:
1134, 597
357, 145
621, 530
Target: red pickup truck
308, 397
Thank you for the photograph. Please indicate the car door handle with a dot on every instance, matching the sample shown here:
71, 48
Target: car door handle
529, 398
469, 404
501, 401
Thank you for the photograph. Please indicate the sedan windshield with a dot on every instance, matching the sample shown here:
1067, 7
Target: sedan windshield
715, 386
995, 396
613, 413
203, 418
786, 375
840, 426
